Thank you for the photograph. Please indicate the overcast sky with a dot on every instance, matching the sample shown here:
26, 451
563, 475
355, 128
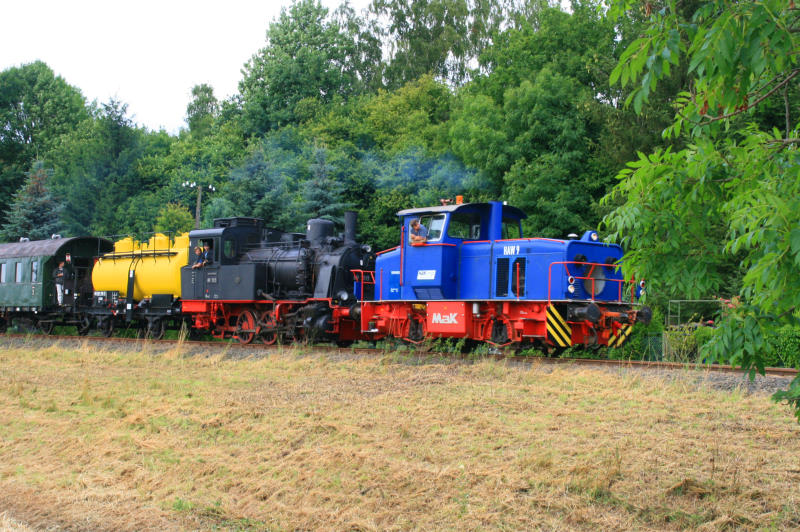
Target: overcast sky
146, 53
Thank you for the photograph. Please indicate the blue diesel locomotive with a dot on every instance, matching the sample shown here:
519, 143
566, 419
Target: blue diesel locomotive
472, 275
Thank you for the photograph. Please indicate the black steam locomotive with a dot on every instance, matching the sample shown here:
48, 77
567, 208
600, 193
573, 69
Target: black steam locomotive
269, 284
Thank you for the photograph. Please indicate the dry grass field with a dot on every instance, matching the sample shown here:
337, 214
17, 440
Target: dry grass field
94, 439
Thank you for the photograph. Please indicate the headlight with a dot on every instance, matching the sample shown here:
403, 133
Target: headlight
594, 237
571, 280
571, 289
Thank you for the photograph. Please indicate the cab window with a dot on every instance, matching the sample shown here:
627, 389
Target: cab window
229, 248
434, 224
511, 229
464, 225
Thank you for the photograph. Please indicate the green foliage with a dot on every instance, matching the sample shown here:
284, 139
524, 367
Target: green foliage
36, 108
308, 55
174, 219
534, 124
34, 213
644, 343
734, 191
787, 346
437, 37
202, 110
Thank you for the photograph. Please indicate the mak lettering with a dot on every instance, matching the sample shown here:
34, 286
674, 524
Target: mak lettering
451, 318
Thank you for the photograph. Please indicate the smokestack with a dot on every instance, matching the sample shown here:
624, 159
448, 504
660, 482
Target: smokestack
350, 228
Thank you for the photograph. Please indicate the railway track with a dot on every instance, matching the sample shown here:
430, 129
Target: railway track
636, 364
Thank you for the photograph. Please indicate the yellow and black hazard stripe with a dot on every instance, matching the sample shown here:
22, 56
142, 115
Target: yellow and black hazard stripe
558, 331
617, 339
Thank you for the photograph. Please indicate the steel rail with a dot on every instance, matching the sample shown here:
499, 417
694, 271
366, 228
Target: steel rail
637, 364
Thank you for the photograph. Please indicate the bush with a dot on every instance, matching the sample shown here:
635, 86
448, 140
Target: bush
680, 343
782, 349
787, 346
644, 342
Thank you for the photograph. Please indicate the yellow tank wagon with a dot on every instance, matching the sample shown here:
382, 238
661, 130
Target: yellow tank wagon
154, 267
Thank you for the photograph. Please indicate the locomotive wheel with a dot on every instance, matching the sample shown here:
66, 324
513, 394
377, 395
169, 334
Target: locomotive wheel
416, 331
46, 326
245, 327
268, 337
499, 332
84, 325
155, 329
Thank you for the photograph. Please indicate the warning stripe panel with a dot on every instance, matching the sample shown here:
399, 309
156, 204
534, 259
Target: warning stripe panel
557, 328
622, 334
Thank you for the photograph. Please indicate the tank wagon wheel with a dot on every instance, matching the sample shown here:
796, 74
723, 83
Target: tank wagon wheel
245, 327
155, 329
106, 327
344, 343
84, 325
46, 326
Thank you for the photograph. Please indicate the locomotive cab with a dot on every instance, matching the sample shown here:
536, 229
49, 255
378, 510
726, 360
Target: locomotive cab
224, 276
446, 257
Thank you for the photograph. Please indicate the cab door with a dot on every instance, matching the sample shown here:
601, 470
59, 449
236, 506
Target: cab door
429, 268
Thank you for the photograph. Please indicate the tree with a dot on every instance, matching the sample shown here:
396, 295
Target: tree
36, 108
437, 37
534, 121
174, 219
322, 194
96, 170
308, 56
202, 110
734, 189
33, 212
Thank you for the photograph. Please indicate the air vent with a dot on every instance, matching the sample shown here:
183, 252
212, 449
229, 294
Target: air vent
428, 293
501, 284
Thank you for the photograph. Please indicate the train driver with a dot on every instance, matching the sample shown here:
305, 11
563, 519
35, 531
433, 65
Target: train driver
198, 258
208, 255
419, 233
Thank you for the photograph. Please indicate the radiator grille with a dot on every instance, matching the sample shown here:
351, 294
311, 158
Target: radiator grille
501, 284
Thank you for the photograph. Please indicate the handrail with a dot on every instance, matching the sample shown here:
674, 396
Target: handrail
565, 264
386, 251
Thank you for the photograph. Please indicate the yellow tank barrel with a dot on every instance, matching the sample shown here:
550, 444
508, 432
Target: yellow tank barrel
156, 264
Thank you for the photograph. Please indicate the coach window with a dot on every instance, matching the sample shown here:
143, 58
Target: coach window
35, 272
17, 272
3, 273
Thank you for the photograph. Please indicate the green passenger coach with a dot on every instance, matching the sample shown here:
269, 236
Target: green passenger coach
27, 285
